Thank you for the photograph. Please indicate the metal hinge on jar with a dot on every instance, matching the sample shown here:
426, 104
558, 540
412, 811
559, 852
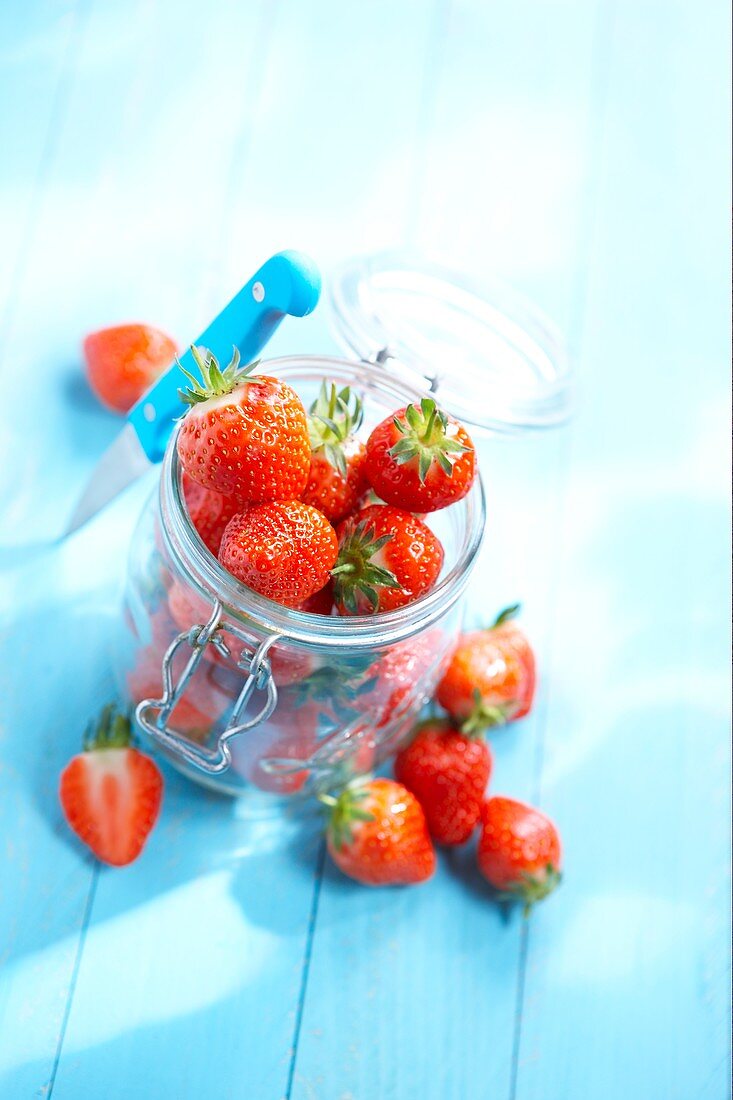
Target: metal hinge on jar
259, 678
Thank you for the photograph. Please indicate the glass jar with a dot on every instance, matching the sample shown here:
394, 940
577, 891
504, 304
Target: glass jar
247, 696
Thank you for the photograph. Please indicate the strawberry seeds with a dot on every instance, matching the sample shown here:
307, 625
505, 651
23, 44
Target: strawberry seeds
286, 477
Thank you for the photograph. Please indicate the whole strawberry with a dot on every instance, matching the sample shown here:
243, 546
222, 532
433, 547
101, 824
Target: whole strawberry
122, 362
377, 834
490, 678
244, 435
448, 773
387, 558
420, 459
208, 511
519, 851
336, 479
111, 793
284, 551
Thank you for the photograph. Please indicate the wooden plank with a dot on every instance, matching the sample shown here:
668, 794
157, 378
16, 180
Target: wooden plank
627, 975
142, 161
405, 988
209, 919
58, 611
38, 46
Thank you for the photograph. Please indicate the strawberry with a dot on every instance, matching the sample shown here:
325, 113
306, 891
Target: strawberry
208, 511
123, 362
284, 551
387, 558
448, 773
401, 678
377, 834
336, 479
110, 793
244, 436
420, 459
202, 704
491, 676
275, 758
320, 603
519, 851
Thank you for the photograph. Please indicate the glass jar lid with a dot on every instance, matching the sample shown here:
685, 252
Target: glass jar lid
489, 357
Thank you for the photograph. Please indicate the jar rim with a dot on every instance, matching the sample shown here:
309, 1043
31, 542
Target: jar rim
263, 615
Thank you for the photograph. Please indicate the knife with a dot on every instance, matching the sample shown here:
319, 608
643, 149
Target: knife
287, 284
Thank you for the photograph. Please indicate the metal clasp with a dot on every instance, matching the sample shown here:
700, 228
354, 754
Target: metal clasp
259, 678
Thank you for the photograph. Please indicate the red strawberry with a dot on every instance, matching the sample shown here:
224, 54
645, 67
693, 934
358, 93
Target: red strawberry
491, 676
208, 511
336, 479
320, 603
244, 436
123, 362
402, 678
377, 835
420, 459
110, 793
448, 773
387, 558
519, 851
200, 706
284, 551
275, 757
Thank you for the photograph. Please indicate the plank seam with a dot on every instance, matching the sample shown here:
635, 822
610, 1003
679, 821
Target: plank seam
310, 936
86, 919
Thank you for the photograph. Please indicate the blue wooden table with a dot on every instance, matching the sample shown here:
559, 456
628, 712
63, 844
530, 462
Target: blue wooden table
154, 153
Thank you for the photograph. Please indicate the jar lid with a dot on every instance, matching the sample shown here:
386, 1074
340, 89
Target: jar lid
489, 357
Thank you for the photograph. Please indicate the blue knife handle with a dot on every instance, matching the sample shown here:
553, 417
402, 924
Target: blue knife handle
288, 283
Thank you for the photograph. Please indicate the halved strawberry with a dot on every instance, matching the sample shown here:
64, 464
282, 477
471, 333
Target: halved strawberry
336, 479
122, 362
420, 459
490, 678
387, 558
284, 551
377, 834
447, 772
244, 435
111, 793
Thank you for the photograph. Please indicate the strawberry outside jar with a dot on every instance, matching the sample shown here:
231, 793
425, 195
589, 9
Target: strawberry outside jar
251, 697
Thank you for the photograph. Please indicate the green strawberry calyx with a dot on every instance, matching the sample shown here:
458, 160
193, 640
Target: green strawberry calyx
334, 416
356, 572
485, 716
530, 889
112, 730
344, 810
506, 615
215, 381
424, 433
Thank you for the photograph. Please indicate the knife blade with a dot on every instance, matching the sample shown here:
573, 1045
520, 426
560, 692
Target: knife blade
288, 284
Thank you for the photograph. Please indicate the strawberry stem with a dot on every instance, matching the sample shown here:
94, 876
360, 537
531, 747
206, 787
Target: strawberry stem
215, 382
334, 417
356, 573
112, 730
425, 437
504, 616
345, 810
